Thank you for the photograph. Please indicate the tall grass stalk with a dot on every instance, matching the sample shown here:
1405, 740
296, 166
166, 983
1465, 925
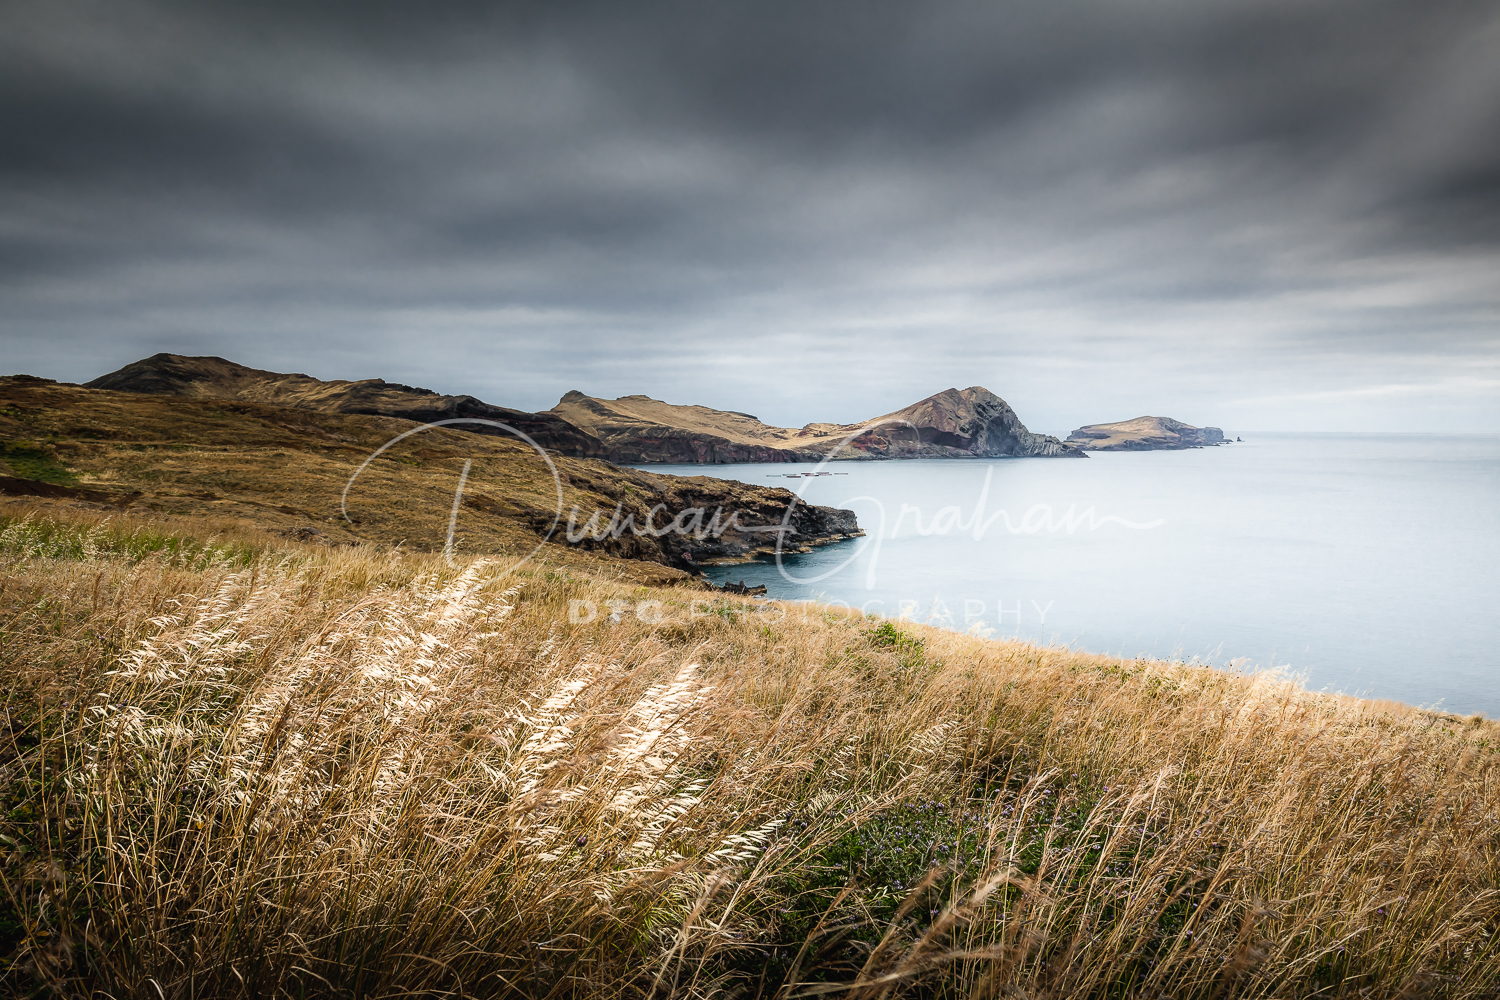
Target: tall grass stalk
293, 771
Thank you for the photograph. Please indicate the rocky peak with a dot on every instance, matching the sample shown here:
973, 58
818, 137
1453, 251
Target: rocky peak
972, 421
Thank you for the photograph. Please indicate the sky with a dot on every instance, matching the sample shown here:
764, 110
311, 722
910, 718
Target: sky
1255, 214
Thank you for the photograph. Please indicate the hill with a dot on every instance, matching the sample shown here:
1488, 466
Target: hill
285, 469
972, 423
1144, 434
968, 423
216, 378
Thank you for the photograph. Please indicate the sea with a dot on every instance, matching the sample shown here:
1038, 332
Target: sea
1367, 564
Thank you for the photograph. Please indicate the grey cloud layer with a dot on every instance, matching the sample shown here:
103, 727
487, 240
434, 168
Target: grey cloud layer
1286, 200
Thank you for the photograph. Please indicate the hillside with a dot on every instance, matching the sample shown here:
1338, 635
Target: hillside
968, 423
972, 423
284, 469
216, 378
237, 766
1144, 434
250, 750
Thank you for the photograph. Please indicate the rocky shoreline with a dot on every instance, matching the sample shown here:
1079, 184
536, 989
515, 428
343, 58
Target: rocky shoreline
700, 521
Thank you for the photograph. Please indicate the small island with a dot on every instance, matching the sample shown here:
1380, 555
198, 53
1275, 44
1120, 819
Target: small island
1145, 434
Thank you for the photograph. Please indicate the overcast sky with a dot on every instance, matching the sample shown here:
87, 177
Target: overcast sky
1260, 215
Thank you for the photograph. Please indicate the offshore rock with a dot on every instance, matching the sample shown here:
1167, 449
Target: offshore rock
1145, 434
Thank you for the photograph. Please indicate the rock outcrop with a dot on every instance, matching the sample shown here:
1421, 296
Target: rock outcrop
698, 520
1145, 434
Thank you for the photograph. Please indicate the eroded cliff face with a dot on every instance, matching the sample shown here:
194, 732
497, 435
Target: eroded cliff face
694, 521
967, 423
1145, 434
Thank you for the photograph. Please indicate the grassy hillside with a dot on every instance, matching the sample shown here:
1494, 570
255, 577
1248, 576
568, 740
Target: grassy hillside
243, 766
270, 469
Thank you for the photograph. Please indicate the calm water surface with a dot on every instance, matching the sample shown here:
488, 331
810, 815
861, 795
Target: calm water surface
1368, 564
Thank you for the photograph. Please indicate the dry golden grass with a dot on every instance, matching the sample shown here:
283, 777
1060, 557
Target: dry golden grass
236, 768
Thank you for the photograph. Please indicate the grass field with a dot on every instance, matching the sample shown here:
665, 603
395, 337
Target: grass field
236, 768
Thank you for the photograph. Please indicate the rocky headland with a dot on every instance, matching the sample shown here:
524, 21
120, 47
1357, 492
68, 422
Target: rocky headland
968, 423
1145, 434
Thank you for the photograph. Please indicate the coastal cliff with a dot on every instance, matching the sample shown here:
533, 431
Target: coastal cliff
752, 518
968, 423
1145, 434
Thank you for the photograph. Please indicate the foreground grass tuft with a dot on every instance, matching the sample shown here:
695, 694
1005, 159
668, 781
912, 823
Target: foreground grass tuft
234, 769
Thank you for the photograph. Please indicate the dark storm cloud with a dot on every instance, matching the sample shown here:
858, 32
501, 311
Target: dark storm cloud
517, 200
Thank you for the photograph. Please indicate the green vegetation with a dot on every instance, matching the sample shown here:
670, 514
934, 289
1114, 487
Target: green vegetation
910, 649
886, 634
28, 460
